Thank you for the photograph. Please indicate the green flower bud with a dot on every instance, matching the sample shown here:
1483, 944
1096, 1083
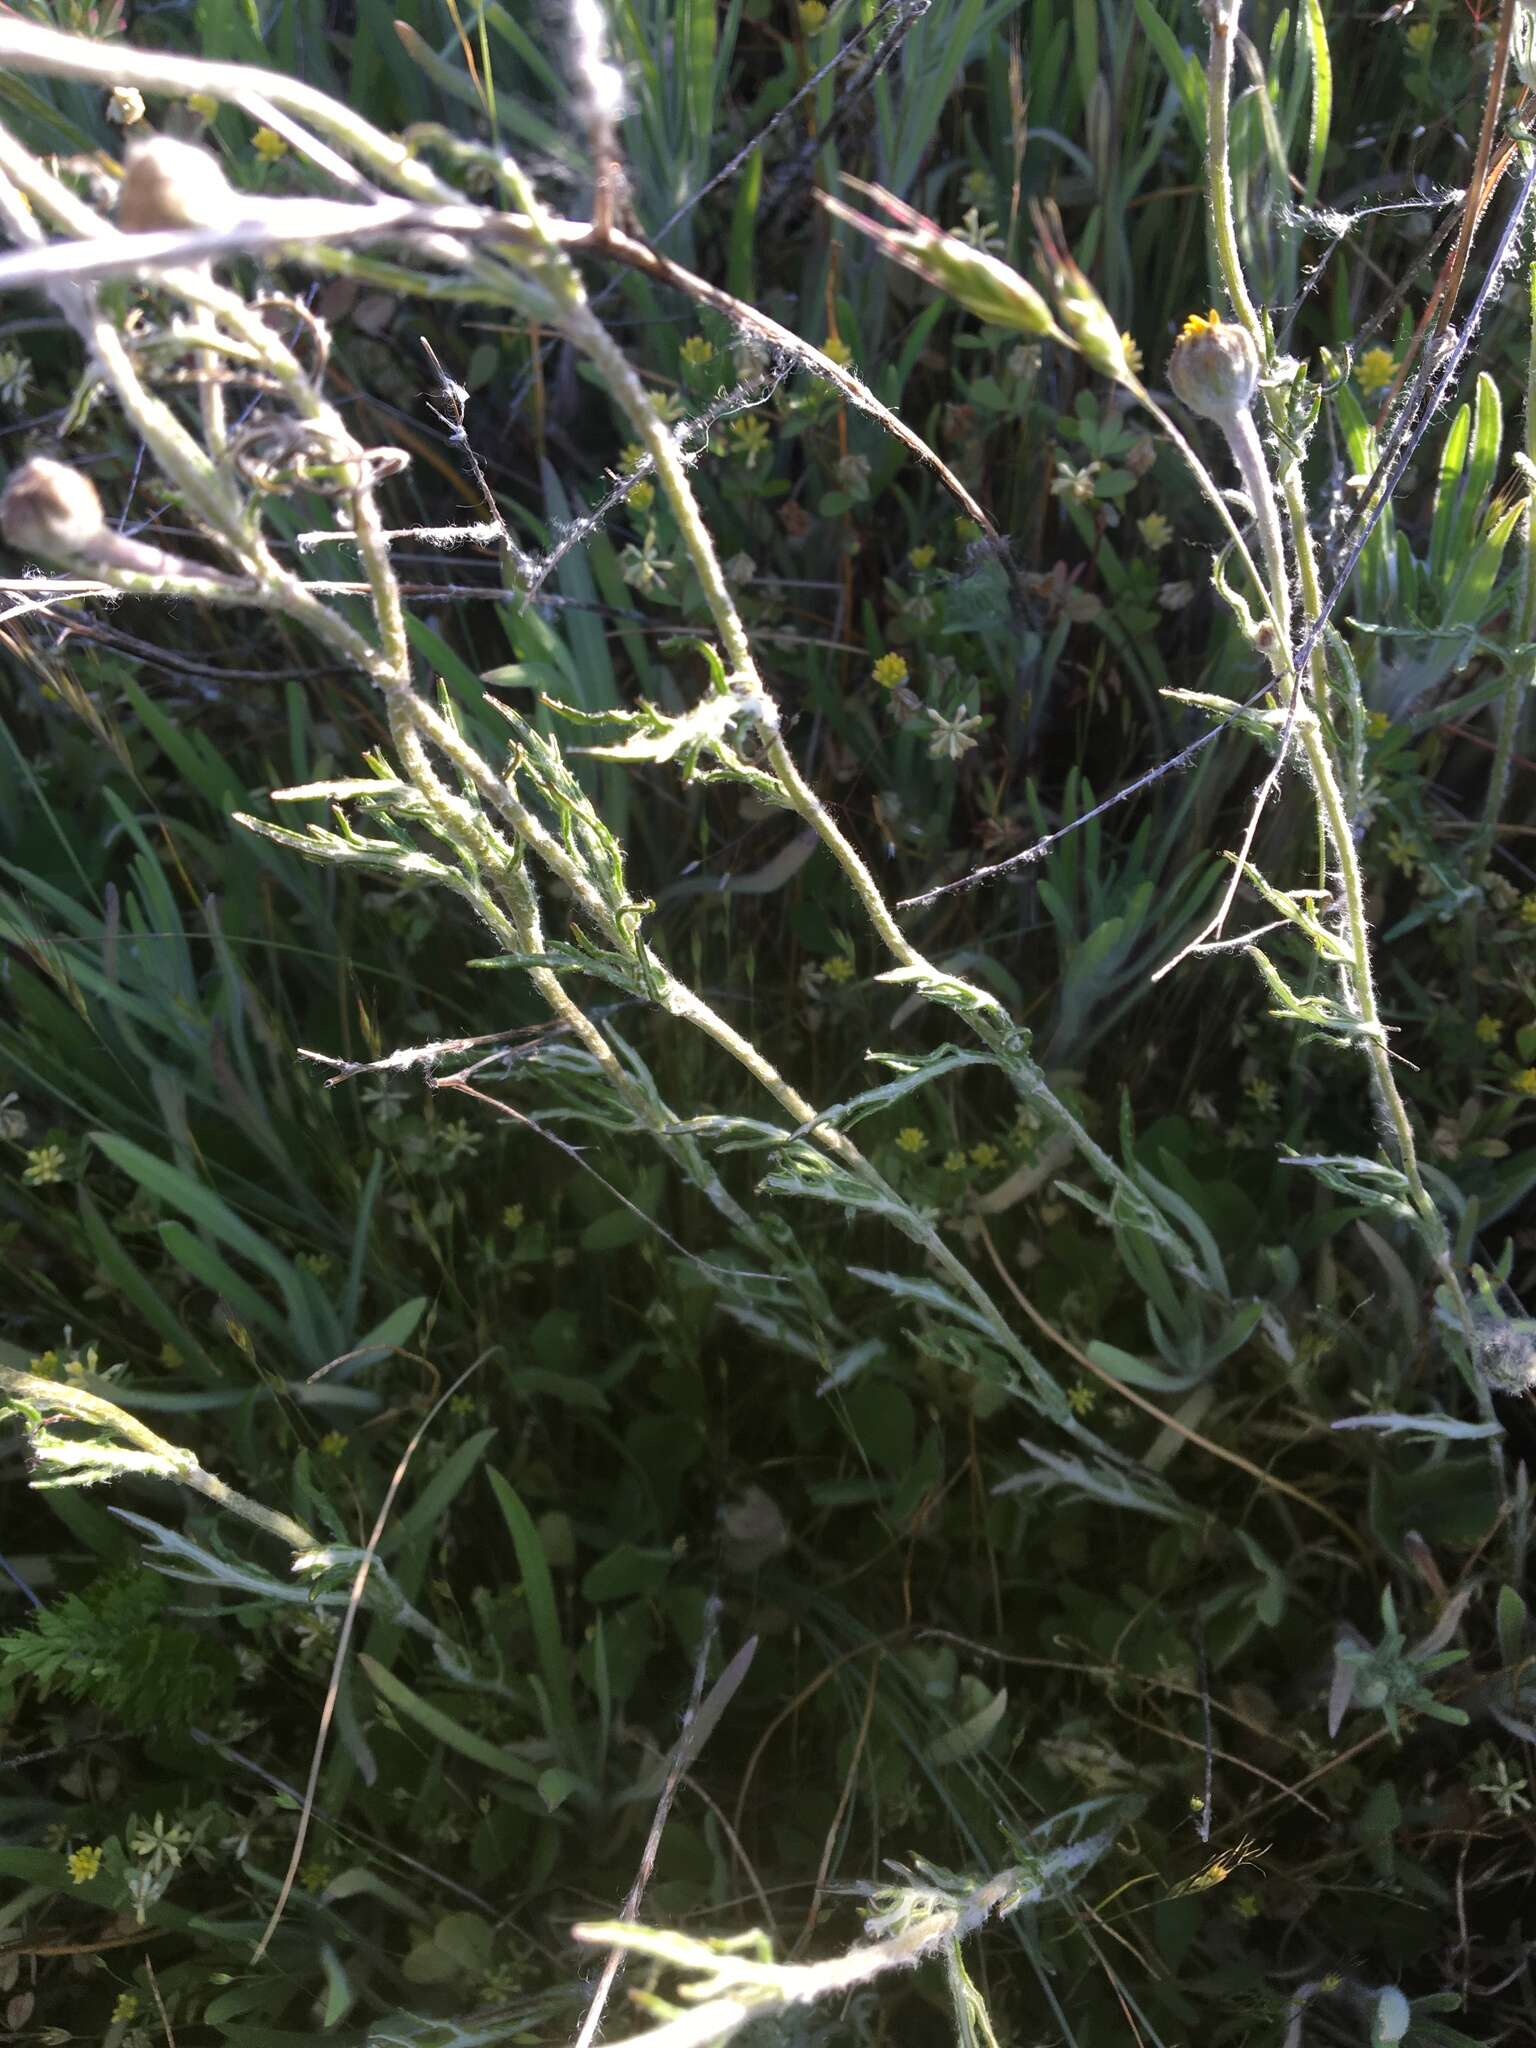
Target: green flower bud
973, 278
1089, 323
1214, 367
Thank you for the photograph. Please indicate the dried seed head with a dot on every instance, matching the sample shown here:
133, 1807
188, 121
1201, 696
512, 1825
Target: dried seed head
171, 184
1214, 367
50, 510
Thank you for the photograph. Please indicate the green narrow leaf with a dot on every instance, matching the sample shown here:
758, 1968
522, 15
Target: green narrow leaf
539, 1592
1322, 98
442, 1727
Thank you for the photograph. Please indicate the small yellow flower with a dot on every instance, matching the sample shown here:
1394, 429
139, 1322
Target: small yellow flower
268, 145
632, 458
1264, 1095
1246, 1905
1155, 531
839, 968
203, 104
513, 1216
921, 558
750, 438
642, 495
45, 1165
1135, 361
1377, 725
83, 1864
332, 1444
1082, 1399
911, 1139
1489, 1030
1525, 1081
125, 2008
954, 1160
812, 15
696, 351
1401, 851
45, 1365
1375, 370
966, 530
890, 671
836, 350
1528, 908
986, 1155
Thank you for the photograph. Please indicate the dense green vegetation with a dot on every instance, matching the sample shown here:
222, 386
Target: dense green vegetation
1053, 1480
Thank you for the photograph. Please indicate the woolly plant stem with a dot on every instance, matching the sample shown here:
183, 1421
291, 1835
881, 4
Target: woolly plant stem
1319, 759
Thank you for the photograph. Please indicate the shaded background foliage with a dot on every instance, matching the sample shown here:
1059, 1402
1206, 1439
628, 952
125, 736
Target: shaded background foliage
941, 1665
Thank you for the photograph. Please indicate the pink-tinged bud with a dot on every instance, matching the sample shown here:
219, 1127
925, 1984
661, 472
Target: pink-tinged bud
50, 511
1214, 367
973, 278
171, 184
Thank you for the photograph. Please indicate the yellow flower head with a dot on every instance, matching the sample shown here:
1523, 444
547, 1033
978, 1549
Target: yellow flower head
839, 968
268, 145
1375, 370
891, 671
1525, 1081
83, 1864
911, 1139
921, 558
1489, 1030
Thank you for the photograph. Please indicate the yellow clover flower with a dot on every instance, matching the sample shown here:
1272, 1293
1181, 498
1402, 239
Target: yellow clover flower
1375, 370
83, 1864
891, 671
911, 1139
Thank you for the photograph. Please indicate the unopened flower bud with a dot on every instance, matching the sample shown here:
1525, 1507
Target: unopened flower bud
981, 282
974, 278
1089, 323
1214, 367
50, 510
171, 184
